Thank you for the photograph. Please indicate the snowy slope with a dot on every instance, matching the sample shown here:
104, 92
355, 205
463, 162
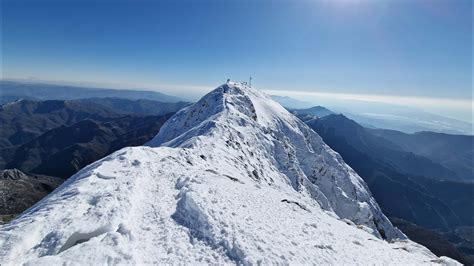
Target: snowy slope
233, 178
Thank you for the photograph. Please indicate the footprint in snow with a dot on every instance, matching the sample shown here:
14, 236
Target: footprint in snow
102, 176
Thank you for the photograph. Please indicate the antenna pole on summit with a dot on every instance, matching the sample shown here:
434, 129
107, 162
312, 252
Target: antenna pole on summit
250, 82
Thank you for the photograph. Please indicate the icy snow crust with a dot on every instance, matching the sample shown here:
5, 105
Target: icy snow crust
231, 179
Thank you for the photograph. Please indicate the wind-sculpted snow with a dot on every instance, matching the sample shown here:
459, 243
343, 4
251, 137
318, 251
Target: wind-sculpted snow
232, 179
278, 150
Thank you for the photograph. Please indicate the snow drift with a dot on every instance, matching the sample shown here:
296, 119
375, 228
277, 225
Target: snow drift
234, 178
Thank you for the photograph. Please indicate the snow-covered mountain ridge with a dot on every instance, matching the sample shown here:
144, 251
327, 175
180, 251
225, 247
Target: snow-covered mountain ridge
234, 178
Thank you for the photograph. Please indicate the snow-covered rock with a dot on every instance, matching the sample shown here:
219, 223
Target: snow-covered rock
234, 178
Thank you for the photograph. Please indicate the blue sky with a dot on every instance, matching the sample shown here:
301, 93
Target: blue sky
414, 49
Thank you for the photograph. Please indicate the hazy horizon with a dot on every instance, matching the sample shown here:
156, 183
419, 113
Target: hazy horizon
349, 102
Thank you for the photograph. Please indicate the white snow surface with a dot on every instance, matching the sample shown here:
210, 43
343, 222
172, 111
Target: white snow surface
232, 179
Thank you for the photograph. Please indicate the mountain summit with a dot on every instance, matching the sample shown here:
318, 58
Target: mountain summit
233, 178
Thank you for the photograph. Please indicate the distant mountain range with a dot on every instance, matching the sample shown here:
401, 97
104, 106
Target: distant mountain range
317, 111
25, 120
454, 152
338, 126
64, 150
137, 107
291, 103
14, 90
452, 155
387, 116
57, 137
